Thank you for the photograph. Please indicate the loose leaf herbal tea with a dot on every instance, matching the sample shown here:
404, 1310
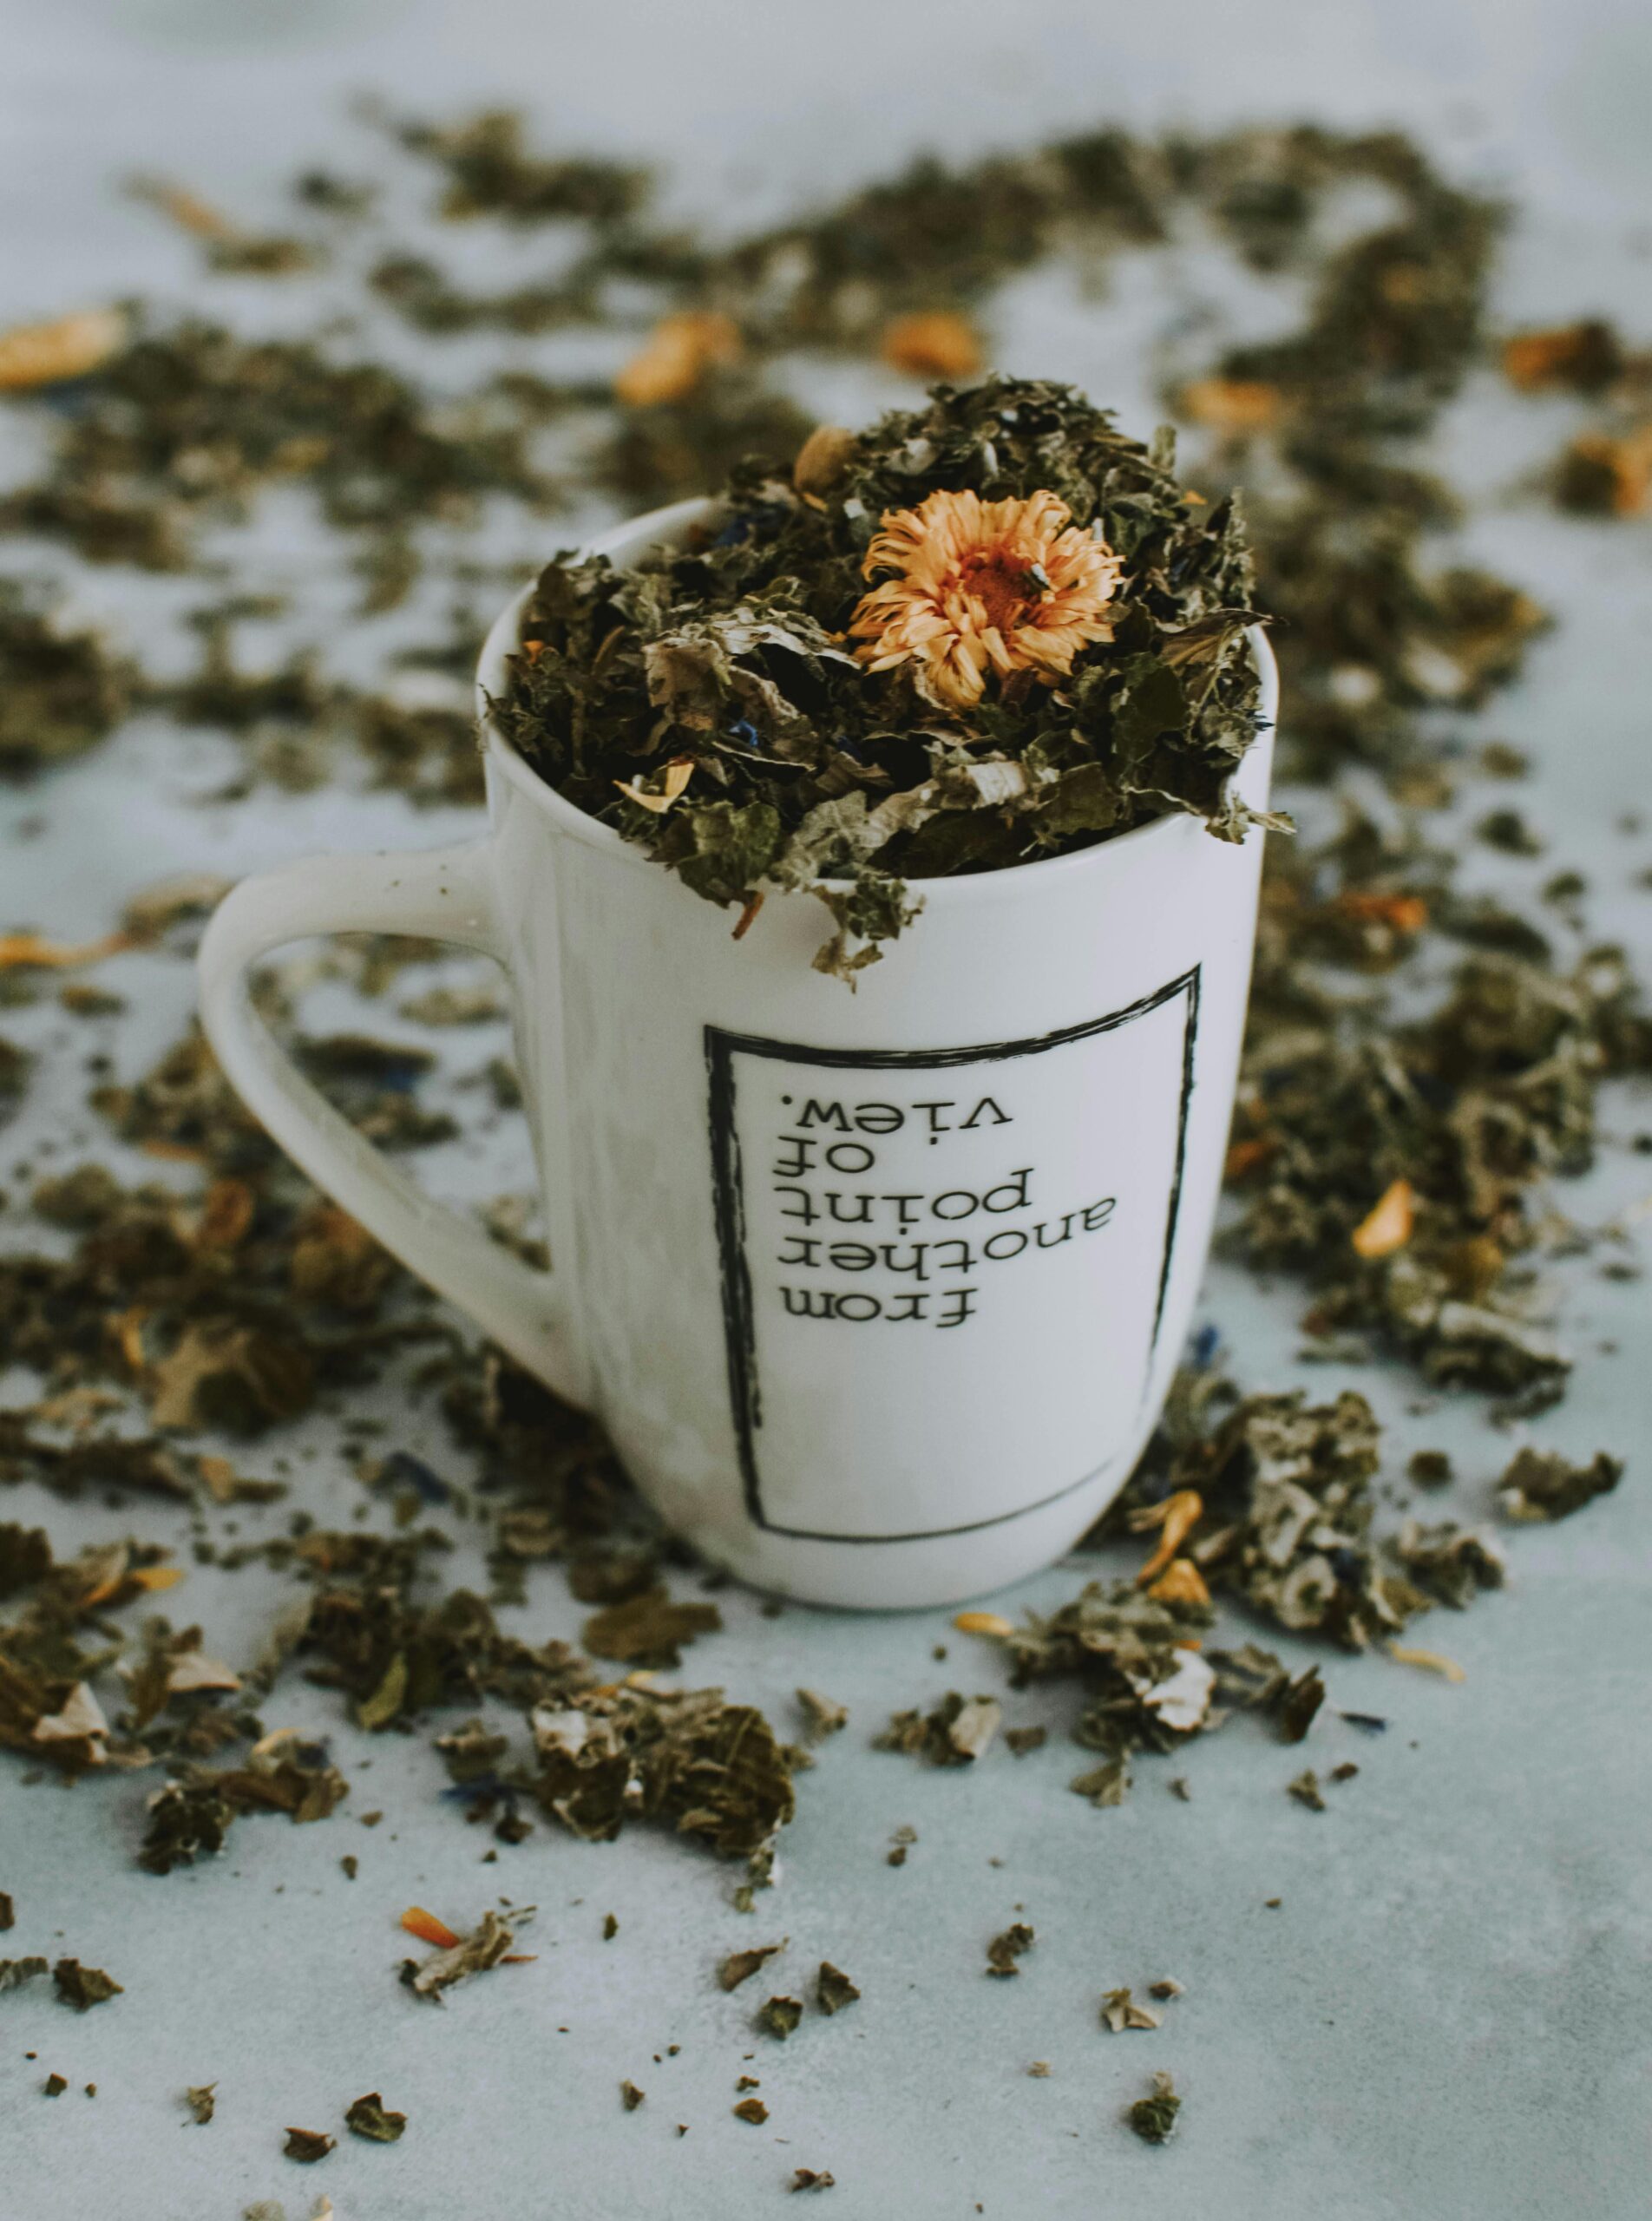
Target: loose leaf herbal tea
985, 630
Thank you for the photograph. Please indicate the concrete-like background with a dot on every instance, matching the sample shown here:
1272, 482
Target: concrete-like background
1447, 2018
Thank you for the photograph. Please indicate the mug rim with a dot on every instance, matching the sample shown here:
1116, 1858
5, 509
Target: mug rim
654, 527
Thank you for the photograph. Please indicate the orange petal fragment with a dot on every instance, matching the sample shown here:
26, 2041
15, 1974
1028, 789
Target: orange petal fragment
933, 343
46, 354
1432, 1662
1181, 1583
676, 356
991, 1624
18, 951
1178, 1515
1389, 1225
428, 1928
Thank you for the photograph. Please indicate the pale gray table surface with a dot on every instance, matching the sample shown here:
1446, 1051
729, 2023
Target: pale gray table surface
1447, 2018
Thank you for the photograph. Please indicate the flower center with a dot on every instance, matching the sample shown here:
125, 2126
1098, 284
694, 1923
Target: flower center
1005, 583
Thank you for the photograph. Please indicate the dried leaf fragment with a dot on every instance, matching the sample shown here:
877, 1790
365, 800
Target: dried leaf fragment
483, 1948
1544, 1484
740, 1966
368, 2117
308, 2145
811, 2178
202, 2102
1006, 1948
83, 1986
833, 1988
1306, 1789
1119, 2011
824, 1716
1153, 2118
752, 2110
779, 2015
631, 2097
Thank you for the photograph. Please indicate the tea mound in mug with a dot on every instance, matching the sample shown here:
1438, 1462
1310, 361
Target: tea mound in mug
984, 631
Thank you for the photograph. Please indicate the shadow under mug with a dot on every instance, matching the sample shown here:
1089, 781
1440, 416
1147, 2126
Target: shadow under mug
878, 1295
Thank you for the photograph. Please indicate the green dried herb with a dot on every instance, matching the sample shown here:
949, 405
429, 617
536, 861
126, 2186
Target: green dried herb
61, 690
833, 1988
1306, 1789
1153, 2118
8, 1911
202, 2102
1544, 1484
958, 1731
308, 2145
475, 1953
811, 2178
368, 2117
1006, 1949
14, 1973
778, 2016
740, 1966
649, 1629
1119, 2011
83, 1986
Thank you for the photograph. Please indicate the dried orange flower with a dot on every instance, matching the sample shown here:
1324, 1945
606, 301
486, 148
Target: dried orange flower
679, 351
935, 344
981, 587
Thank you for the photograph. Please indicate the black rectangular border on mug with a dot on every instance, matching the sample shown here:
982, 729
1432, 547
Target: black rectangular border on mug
739, 1321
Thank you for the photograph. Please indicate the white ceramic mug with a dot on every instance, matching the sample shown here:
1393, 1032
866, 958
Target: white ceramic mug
878, 1295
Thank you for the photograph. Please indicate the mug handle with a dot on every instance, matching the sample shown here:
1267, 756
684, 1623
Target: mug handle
441, 895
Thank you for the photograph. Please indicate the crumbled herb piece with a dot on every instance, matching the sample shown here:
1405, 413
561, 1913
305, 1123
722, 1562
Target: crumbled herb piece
958, 1731
1430, 1469
631, 2097
649, 1629
308, 2145
811, 2178
1306, 1789
15, 1972
1544, 1484
202, 2102
740, 1966
1153, 2118
484, 1947
752, 2110
1169, 1987
83, 1986
368, 2117
833, 1988
823, 1716
1006, 1949
54, 2086
1451, 1563
1119, 2011
778, 2016
8, 1912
